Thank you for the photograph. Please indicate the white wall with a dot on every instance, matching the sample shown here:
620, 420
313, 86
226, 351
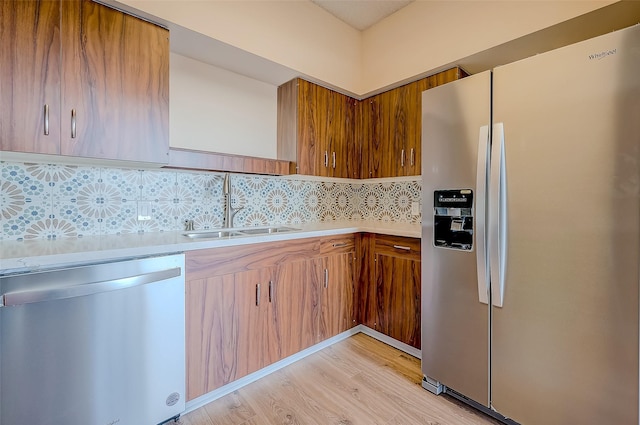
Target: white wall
216, 110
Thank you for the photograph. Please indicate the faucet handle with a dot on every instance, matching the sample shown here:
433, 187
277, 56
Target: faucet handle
189, 226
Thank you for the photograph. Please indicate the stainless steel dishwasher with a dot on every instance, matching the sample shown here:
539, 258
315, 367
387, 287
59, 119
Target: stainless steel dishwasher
100, 344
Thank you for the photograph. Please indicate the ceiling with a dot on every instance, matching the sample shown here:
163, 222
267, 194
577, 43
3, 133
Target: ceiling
361, 14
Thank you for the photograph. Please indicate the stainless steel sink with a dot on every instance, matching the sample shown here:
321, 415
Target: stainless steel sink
267, 230
212, 234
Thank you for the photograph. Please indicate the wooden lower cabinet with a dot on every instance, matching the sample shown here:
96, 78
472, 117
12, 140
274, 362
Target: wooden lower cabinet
337, 268
250, 306
253, 330
389, 293
210, 316
228, 329
296, 307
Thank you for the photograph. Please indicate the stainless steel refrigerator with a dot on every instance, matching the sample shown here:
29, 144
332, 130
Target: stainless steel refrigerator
531, 235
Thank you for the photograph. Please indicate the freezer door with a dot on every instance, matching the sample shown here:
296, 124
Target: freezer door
565, 341
455, 316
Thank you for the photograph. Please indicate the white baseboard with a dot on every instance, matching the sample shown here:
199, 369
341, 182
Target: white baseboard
415, 352
235, 385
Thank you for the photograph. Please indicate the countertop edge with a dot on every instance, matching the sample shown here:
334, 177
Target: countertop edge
23, 256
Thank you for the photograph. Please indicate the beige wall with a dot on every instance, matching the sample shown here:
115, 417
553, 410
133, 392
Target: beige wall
294, 33
421, 37
215, 110
428, 34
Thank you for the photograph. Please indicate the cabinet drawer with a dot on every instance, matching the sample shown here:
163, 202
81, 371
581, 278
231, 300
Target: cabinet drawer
398, 246
337, 244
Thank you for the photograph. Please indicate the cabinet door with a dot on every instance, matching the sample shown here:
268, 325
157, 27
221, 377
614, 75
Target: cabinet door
378, 149
324, 139
313, 102
411, 133
296, 306
212, 344
229, 329
256, 345
115, 85
398, 287
341, 152
384, 128
30, 76
390, 128
367, 135
337, 288
365, 293
398, 298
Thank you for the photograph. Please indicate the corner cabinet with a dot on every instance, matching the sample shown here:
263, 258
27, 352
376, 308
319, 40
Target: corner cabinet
390, 127
249, 306
82, 79
316, 130
390, 288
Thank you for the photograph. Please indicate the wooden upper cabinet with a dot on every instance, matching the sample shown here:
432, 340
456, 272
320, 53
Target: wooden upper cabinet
101, 76
316, 130
390, 127
30, 76
116, 81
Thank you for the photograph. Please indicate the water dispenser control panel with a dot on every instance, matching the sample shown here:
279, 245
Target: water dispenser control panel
453, 219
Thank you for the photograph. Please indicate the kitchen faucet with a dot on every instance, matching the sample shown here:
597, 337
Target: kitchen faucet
229, 212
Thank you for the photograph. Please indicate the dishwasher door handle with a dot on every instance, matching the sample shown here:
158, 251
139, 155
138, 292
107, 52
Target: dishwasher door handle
17, 298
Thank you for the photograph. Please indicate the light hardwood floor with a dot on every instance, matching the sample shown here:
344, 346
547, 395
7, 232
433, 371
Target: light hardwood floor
358, 381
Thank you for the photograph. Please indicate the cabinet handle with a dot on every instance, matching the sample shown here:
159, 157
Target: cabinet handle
326, 159
270, 291
257, 294
326, 278
339, 245
402, 158
46, 119
73, 123
333, 155
404, 248
412, 155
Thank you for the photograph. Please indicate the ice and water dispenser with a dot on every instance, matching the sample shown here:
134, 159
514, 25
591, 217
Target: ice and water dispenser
453, 219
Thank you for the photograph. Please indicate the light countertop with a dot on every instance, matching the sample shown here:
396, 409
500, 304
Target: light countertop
31, 255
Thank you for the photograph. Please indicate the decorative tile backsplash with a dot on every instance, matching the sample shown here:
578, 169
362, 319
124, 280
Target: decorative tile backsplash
40, 201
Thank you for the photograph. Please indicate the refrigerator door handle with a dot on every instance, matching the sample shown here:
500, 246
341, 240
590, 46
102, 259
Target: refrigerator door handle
481, 216
497, 216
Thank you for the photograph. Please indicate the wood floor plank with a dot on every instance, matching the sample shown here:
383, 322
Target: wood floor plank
197, 417
343, 397
232, 409
349, 365
358, 381
290, 401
